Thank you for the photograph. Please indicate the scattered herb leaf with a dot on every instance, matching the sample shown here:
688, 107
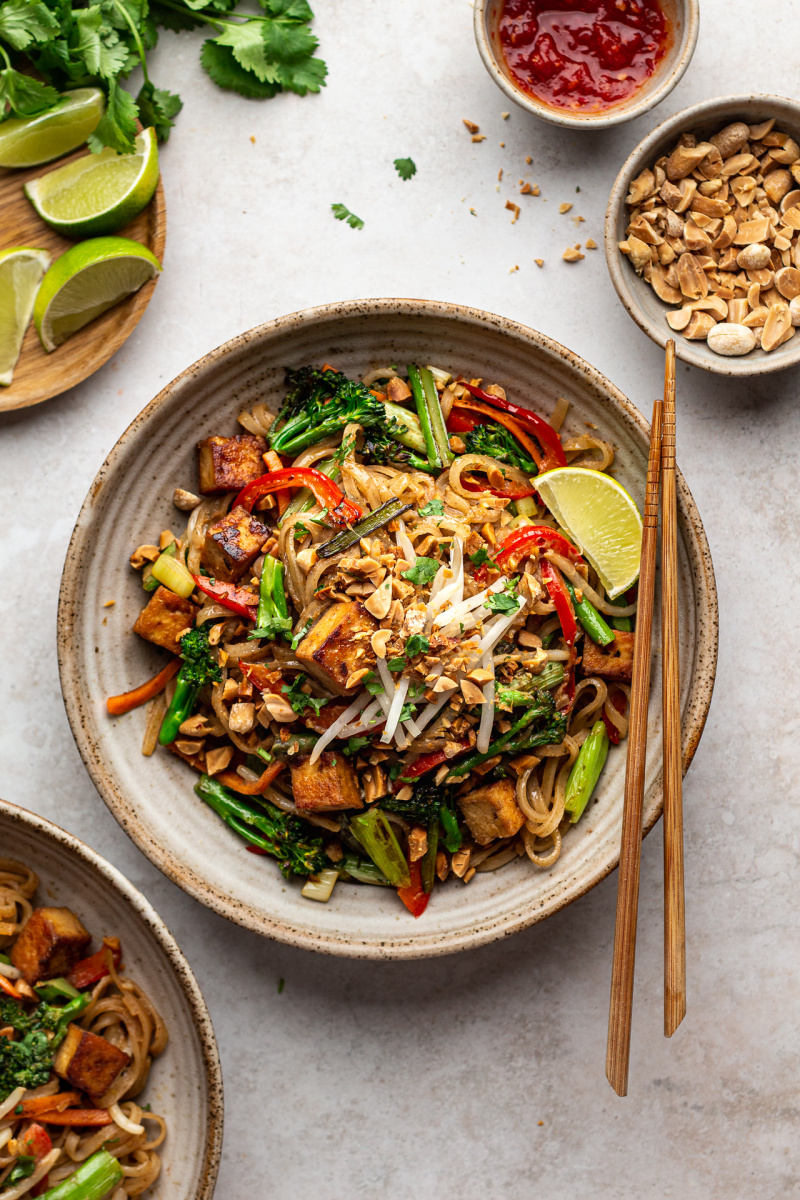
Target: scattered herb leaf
422, 571
405, 167
434, 508
342, 213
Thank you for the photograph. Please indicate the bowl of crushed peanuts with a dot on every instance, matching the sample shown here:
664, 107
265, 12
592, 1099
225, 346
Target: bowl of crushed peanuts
702, 234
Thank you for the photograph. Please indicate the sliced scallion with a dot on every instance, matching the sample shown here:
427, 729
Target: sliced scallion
368, 524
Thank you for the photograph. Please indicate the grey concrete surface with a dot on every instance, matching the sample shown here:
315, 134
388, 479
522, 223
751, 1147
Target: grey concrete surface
480, 1075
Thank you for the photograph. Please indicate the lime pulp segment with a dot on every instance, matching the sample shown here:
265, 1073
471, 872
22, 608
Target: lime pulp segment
21, 272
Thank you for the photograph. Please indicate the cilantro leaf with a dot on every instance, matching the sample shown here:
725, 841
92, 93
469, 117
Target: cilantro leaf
407, 712
307, 75
301, 633
434, 508
342, 213
98, 45
219, 63
157, 108
396, 664
502, 602
298, 699
422, 571
354, 744
22, 23
290, 10
480, 558
417, 644
117, 126
246, 40
373, 684
405, 167
26, 97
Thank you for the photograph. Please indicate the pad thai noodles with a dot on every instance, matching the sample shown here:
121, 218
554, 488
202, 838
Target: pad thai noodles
389, 665
77, 1038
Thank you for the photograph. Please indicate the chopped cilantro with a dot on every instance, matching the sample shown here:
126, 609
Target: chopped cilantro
396, 664
298, 699
405, 167
373, 684
354, 744
422, 572
300, 531
502, 602
342, 213
434, 508
301, 633
480, 558
393, 770
417, 644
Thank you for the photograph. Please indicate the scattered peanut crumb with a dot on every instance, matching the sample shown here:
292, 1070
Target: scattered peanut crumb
109, 604
539, 262
572, 254
564, 208
577, 220
252, 139
479, 137
528, 159
502, 145
540, 1122
505, 116
591, 244
499, 174
471, 126
511, 272
526, 189
512, 207
469, 875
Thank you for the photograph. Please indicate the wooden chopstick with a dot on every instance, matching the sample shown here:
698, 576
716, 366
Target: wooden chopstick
674, 910
619, 1015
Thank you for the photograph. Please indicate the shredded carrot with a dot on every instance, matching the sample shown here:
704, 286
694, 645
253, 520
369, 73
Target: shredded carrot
273, 462
117, 705
502, 419
76, 1116
327, 367
7, 986
237, 784
49, 1104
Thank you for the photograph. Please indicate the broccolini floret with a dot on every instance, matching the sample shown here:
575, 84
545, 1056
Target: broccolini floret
27, 1061
497, 442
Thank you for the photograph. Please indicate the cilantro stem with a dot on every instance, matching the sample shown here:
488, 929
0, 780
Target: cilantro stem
217, 19
137, 39
5, 56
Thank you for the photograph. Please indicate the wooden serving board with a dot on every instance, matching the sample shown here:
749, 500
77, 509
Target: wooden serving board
39, 376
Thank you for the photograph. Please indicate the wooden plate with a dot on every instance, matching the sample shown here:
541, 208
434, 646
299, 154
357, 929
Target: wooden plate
39, 376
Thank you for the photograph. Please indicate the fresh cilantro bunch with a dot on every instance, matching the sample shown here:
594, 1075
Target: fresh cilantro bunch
74, 43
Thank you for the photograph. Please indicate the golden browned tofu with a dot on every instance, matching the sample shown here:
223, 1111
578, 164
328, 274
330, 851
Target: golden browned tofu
330, 650
614, 661
326, 785
233, 543
227, 464
165, 617
50, 944
89, 1062
492, 812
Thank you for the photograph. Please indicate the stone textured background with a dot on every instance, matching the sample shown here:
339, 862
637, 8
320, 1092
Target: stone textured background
480, 1075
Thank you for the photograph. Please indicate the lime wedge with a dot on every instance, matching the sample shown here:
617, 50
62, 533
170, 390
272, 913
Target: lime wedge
21, 271
29, 141
600, 516
86, 281
98, 193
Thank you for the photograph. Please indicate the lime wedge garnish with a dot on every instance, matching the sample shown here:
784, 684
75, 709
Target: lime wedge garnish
98, 193
601, 517
29, 141
87, 280
21, 272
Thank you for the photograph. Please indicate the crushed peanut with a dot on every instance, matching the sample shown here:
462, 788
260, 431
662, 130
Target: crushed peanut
572, 254
590, 244
564, 208
471, 126
514, 208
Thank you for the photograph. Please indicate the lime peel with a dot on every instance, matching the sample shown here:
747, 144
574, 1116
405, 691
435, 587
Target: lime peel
601, 517
31, 141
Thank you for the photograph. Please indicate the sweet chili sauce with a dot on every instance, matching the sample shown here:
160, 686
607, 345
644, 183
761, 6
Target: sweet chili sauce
582, 54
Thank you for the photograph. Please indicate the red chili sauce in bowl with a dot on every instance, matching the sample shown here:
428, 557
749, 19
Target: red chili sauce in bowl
582, 54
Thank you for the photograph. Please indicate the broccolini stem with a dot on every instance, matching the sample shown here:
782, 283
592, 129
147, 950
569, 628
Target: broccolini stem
428, 869
429, 410
375, 834
586, 771
475, 760
93, 1179
410, 432
590, 618
623, 623
450, 829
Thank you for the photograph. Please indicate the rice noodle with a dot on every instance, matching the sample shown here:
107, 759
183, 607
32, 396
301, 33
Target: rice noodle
575, 448
575, 577
558, 414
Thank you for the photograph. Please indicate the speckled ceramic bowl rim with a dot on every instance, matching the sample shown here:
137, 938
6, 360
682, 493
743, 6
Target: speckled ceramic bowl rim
73, 689
602, 120
180, 968
620, 271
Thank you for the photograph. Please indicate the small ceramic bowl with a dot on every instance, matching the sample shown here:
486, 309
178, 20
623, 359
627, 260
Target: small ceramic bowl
683, 20
185, 1084
641, 302
152, 798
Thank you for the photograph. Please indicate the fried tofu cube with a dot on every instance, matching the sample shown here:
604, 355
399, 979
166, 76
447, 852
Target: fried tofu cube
330, 649
492, 812
50, 944
614, 661
228, 464
233, 543
89, 1062
326, 785
164, 618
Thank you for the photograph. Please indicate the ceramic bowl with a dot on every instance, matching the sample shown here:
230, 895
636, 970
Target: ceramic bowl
132, 497
185, 1084
683, 18
641, 302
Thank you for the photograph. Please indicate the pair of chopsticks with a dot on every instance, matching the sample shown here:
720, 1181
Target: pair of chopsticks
660, 469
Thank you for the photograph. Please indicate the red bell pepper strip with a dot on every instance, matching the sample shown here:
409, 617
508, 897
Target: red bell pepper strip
543, 432
620, 703
7, 986
237, 599
262, 677
515, 428
414, 896
511, 490
341, 511
91, 970
423, 764
522, 541
117, 705
460, 422
35, 1141
560, 597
